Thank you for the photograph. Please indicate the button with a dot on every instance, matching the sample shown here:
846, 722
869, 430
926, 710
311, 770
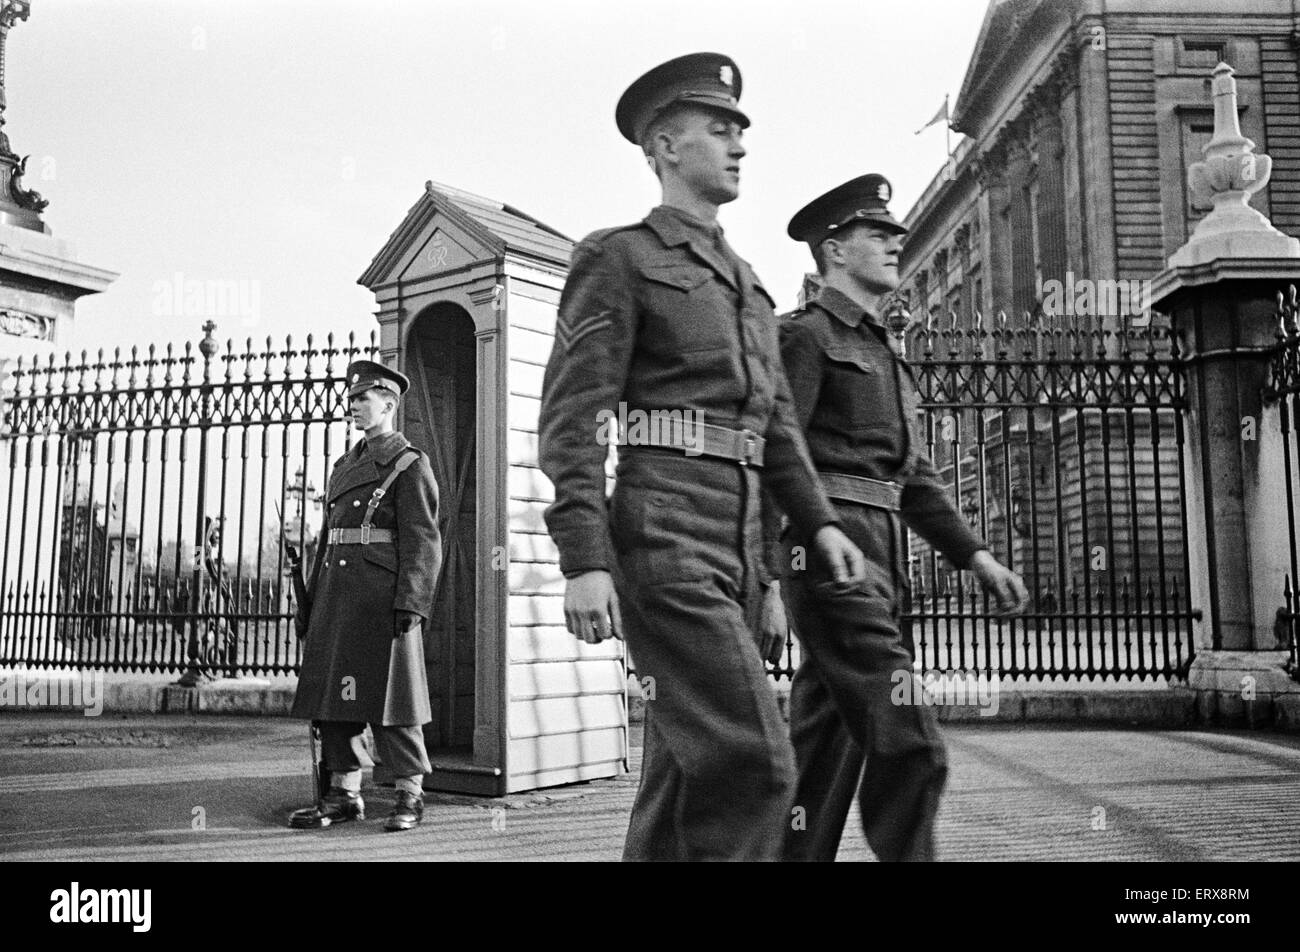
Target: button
327, 565
331, 505
343, 562
356, 502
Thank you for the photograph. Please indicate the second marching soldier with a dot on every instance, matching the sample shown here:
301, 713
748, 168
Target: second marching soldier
371, 590
664, 318
857, 400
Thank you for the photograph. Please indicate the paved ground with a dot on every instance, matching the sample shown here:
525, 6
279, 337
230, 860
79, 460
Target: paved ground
139, 787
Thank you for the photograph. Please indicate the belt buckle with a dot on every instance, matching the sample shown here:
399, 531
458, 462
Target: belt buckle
895, 493
749, 447
365, 534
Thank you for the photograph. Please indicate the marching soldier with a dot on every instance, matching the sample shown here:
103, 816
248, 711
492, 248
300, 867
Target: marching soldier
662, 315
856, 400
371, 590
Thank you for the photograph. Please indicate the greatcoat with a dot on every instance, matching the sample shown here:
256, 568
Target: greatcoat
353, 668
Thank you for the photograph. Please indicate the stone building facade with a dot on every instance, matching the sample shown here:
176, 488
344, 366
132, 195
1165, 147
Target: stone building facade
1081, 118
1065, 197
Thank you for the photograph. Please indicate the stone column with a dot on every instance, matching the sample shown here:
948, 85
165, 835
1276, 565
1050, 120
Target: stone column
996, 230
1024, 291
1221, 291
1051, 182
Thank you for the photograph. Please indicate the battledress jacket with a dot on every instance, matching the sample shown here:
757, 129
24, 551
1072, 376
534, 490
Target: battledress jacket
657, 316
857, 401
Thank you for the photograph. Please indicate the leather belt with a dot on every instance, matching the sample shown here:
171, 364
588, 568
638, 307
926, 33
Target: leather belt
739, 446
363, 536
869, 492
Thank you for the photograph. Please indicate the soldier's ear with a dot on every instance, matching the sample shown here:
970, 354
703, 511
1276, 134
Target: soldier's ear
832, 251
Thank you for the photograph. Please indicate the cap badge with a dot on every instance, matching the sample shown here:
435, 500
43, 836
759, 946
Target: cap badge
882, 191
356, 377
724, 74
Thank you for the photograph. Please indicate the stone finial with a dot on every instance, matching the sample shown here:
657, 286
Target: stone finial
1230, 173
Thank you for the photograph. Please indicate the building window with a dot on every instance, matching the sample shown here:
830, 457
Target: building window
954, 307
1201, 53
1197, 130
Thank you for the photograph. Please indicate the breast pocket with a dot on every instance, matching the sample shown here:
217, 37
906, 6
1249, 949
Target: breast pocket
862, 392
686, 309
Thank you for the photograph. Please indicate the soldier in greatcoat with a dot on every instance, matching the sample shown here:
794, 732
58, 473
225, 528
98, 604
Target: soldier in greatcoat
371, 590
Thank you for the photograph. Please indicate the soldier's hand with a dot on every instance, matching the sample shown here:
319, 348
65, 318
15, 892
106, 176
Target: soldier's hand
1005, 586
843, 558
772, 626
591, 607
404, 621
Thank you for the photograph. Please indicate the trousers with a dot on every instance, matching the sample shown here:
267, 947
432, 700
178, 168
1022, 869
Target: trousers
717, 776
850, 736
400, 748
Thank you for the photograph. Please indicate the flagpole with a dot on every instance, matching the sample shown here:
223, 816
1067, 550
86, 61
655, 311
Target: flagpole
947, 124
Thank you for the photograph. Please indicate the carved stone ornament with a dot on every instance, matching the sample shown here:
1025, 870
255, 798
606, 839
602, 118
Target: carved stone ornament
1230, 173
25, 197
22, 324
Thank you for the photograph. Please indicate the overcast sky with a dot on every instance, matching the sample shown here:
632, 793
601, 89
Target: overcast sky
278, 143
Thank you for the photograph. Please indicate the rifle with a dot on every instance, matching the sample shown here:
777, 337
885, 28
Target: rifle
308, 818
313, 817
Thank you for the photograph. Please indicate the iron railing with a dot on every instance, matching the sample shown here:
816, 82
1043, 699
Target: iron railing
1063, 447
1283, 388
141, 527
143, 501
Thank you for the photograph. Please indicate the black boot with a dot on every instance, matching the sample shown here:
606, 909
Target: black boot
408, 812
337, 806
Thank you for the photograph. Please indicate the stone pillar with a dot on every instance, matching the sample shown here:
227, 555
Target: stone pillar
1024, 290
1051, 183
996, 230
1221, 291
40, 282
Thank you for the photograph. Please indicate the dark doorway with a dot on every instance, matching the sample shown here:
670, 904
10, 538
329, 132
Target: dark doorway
440, 419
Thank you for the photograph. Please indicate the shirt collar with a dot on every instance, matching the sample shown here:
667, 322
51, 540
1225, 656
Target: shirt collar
677, 227
840, 306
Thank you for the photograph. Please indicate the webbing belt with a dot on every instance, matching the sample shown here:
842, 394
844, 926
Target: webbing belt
367, 533
860, 489
704, 439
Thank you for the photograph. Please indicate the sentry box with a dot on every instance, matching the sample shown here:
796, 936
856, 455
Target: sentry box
468, 290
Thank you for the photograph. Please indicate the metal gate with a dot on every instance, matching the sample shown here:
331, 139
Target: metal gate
1063, 448
144, 493
1283, 389
148, 496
